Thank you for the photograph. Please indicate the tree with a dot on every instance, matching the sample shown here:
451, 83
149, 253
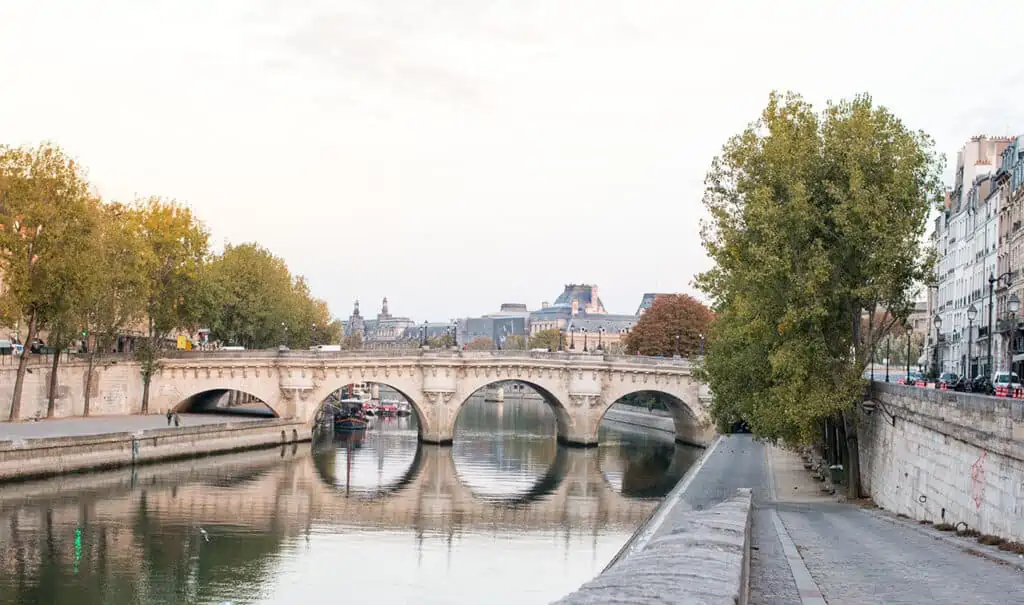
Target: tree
480, 344
546, 339
249, 296
673, 325
115, 293
515, 342
352, 342
44, 224
174, 248
816, 222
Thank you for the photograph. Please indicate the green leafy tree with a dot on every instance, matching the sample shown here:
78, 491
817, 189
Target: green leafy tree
816, 223
175, 245
44, 224
674, 325
115, 295
546, 339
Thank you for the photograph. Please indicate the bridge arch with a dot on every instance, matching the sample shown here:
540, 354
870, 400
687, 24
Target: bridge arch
682, 398
222, 399
562, 419
405, 388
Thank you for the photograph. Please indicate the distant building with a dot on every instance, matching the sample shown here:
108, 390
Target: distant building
511, 320
383, 332
648, 300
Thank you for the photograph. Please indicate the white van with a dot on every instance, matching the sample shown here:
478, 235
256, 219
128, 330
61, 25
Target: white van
1006, 379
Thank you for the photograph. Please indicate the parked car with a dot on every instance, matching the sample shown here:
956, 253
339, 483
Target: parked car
948, 380
982, 385
1006, 379
911, 379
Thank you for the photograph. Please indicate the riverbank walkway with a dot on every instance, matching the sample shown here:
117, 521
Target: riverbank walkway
102, 425
810, 549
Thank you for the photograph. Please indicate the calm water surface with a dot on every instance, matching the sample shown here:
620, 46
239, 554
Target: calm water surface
505, 515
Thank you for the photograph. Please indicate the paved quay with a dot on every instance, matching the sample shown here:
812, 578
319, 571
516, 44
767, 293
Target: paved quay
102, 425
810, 549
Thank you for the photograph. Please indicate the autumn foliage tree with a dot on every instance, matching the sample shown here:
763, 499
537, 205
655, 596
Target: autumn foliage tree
674, 324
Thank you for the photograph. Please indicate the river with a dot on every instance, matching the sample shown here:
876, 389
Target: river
504, 515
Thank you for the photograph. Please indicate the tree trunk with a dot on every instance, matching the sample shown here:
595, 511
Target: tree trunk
852, 455
19, 380
51, 407
145, 394
88, 378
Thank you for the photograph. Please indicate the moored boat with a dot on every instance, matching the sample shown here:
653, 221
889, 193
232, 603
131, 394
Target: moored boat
348, 416
403, 409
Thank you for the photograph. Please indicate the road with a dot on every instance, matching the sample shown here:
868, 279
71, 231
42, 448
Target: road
99, 425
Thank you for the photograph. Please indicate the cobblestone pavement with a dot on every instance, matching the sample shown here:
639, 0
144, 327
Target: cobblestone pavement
857, 558
99, 425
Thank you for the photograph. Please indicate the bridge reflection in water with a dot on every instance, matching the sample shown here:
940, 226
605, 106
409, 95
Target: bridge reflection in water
507, 517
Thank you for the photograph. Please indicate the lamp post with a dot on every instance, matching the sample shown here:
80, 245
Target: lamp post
455, 334
677, 345
600, 338
1013, 304
888, 346
700, 350
284, 339
572, 338
992, 281
561, 346
910, 332
937, 322
584, 330
312, 336
424, 332
972, 314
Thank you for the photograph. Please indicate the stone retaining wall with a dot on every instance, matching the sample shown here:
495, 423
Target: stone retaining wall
705, 558
116, 390
947, 456
29, 458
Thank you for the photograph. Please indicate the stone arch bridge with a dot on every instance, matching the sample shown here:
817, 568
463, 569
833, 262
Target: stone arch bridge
579, 387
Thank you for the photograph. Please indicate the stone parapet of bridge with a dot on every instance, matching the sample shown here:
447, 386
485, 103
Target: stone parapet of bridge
578, 387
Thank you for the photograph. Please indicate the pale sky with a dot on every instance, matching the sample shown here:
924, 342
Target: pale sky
457, 154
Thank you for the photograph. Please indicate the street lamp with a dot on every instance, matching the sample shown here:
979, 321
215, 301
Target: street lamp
584, 330
677, 345
888, 346
937, 322
700, 351
972, 314
992, 281
572, 338
600, 338
1013, 304
424, 332
455, 334
284, 340
313, 335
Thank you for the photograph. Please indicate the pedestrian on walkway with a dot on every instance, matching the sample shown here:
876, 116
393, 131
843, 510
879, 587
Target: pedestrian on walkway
177, 419
170, 413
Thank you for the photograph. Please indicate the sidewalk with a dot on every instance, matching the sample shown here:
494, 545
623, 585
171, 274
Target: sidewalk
813, 550
100, 425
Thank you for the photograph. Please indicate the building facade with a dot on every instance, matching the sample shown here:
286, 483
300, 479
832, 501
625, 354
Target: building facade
1009, 185
967, 239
